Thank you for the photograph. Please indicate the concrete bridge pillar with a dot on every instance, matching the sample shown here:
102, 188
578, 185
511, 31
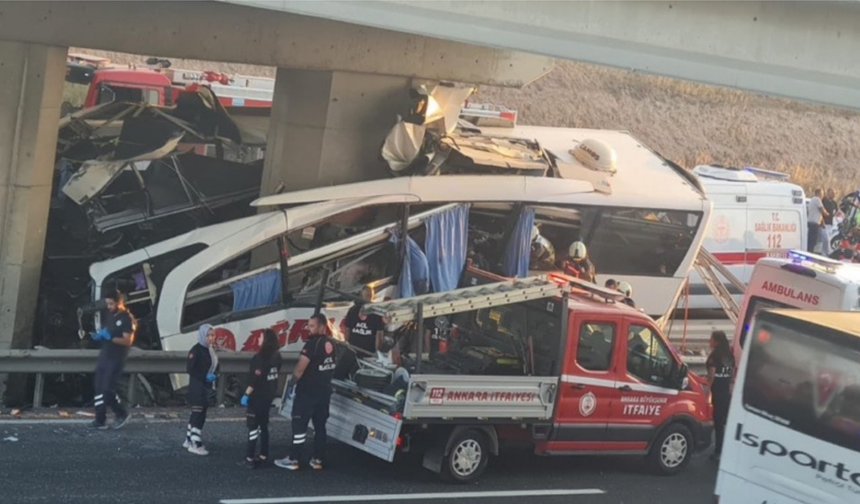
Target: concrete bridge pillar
31, 91
327, 127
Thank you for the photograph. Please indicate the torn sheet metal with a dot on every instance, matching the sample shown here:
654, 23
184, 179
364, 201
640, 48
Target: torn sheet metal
403, 145
479, 154
93, 176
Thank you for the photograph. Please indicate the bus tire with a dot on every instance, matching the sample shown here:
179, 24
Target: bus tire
468, 457
671, 450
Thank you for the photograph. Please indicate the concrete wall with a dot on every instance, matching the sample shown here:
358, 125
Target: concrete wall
218, 31
801, 50
31, 91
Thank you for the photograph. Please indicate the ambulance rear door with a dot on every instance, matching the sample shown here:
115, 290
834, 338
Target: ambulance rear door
776, 220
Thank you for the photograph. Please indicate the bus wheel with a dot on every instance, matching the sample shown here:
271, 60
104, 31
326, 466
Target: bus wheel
672, 450
468, 457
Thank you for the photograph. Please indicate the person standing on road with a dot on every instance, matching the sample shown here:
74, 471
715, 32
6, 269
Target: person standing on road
117, 334
201, 367
721, 368
265, 367
312, 381
832, 209
815, 214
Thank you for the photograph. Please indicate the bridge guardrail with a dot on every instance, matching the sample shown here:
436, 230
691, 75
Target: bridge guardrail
41, 362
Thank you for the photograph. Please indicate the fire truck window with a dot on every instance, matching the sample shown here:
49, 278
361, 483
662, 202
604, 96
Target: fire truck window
594, 348
804, 383
151, 96
648, 358
641, 242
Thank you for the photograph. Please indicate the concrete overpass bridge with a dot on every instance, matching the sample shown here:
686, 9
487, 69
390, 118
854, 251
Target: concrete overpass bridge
344, 68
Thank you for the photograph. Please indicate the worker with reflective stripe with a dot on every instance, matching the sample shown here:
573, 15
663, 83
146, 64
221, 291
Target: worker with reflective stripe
117, 335
578, 264
312, 381
201, 367
265, 367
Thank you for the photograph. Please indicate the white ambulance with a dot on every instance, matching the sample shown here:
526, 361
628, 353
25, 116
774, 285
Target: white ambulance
757, 213
801, 281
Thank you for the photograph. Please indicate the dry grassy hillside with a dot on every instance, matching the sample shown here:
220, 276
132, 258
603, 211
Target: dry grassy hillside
688, 123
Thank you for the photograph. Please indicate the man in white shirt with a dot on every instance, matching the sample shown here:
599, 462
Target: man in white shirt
815, 213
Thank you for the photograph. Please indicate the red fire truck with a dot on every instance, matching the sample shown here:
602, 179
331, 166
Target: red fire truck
162, 86
555, 362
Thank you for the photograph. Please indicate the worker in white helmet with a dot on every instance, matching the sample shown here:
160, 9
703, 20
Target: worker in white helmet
577, 263
627, 289
542, 256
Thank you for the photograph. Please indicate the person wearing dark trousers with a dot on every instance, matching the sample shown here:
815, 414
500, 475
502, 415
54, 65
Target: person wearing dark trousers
312, 381
721, 368
201, 367
117, 335
261, 390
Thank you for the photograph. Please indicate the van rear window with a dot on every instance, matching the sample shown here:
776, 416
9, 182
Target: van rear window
805, 383
755, 305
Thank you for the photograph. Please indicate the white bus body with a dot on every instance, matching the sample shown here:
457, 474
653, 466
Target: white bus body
753, 217
646, 229
793, 431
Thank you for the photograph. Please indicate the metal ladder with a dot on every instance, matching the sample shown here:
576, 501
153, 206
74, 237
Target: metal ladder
710, 269
467, 299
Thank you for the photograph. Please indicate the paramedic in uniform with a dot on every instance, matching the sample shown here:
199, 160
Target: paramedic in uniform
261, 390
721, 368
312, 381
117, 334
364, 331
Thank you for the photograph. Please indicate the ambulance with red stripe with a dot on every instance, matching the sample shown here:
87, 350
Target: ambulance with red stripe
801, 281
757, 213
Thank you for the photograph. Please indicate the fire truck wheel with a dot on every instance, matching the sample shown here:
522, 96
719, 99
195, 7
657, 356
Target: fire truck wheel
671, 450
468, 458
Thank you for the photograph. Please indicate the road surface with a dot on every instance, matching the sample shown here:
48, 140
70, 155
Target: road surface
62, 462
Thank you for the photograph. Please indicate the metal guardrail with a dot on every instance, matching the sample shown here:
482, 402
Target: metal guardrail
42, 362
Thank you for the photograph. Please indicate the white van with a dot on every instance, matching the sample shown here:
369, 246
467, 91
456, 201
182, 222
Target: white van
757, 213
802, 281
792, 432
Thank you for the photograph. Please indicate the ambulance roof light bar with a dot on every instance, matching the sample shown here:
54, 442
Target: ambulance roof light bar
767, 173
799, 256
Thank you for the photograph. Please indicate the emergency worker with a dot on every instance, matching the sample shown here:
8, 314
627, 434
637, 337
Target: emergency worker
364, 331
577, 263
542, 255
312, 381
611, 284
117, 335
201, 367
261, 390
627, 289
721, 368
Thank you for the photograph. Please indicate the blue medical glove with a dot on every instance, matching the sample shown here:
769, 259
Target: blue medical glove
210, 377
244, 400
102, 334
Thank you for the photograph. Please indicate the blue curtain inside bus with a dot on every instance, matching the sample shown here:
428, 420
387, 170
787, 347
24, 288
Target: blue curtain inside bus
515, 262
446, 243
415, 273
256, 291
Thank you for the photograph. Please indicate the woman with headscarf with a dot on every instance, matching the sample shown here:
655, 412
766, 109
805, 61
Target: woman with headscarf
261, 390
202, 365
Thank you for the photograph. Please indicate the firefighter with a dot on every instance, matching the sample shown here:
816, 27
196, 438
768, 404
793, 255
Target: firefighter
312, 381
117, 335
201, 367
265, 367
542, 255
627, 289
577, 263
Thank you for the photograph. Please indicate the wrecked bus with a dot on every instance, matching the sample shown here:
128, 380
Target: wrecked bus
265, 271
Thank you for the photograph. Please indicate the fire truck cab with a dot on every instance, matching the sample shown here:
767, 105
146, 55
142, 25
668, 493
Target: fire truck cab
555, 362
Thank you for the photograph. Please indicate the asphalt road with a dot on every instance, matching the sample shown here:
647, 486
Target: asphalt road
145, 463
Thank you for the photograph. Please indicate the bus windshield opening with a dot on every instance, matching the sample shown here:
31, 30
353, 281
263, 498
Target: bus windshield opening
804, 383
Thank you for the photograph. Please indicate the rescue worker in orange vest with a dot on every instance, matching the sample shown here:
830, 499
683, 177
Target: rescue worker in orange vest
577, 263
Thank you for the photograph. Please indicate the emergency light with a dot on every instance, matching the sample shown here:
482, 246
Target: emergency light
799, 257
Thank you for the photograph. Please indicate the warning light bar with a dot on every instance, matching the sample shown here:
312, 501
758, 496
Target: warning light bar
807, 258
